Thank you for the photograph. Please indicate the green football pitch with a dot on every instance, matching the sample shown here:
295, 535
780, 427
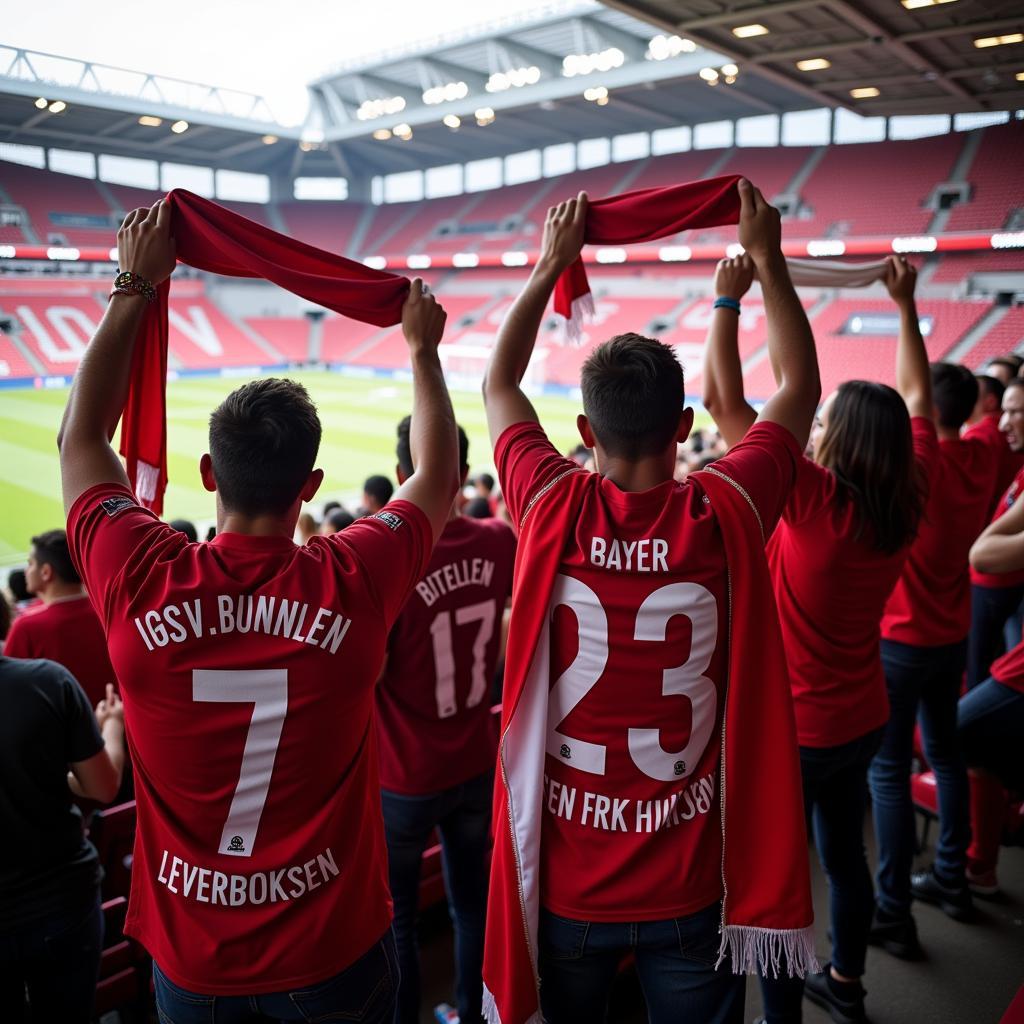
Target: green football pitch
359, 416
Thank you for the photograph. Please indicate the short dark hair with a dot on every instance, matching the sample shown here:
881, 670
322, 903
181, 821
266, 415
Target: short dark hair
988, 385
487, 480
1010, 362
19, 588
330, 506
339, 518
380, 488
403, 449
479, 508
264, 438
633, 395
954, 394
186, 527
51, 548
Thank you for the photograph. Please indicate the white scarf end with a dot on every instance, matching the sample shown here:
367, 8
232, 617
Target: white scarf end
490, 1013
769, 951
582, 312
146, 479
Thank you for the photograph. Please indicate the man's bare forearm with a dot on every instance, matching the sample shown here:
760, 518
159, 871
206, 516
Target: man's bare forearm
723, 378
518, 333
100, 387
432, 434
913, 374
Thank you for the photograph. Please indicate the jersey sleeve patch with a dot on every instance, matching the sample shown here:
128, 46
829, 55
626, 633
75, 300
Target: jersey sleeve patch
118, 504
390, 520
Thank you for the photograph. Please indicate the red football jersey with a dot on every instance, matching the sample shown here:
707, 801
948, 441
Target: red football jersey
638, 639
831, 589
247, 667
66, 631
434, 723
1009, 669
1003, 579
1010, 462
931, 603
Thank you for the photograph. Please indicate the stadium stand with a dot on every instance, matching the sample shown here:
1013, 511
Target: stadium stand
958, 267
1005, 335
12, 363
994, 176
287, 335
329, 226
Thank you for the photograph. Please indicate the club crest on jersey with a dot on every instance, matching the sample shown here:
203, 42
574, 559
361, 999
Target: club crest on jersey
389, 519
565, 751
679, 767
114, 505
236, 845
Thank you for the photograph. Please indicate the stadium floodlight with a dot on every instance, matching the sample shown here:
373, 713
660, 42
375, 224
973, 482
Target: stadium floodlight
448, 93
1019, 76
674, 253
749, 31
375, 262
710, 75
866, 92
7, 252
57, 107
730, 70
1007, 240
484, 116
403, 132
42, 103
514, 259
813, 64
465, 259
112, 255
514, 79
269, 140
382, 134
613, 255
452, 120
62, 252
149, 121
987, 41
915, 243
663, 47
383, 106
734, 249
417, 261
825, 247
179, 127
596, 94
913, 5
587, 63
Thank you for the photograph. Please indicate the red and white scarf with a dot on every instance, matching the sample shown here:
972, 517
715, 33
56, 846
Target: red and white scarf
767, 916
209, 237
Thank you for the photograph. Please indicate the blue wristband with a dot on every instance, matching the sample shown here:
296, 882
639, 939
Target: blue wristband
725, 302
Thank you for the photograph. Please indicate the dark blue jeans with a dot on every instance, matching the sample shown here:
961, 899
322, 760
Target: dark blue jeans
990, 724
675, 960
835, 801
990, 608
364, 992
923, 682
58, 960
462, 816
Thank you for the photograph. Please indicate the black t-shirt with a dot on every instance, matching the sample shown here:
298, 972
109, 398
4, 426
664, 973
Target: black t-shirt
46, 864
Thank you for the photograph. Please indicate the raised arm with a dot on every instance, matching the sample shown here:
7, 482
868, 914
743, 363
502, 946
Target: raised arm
1000, 548
790, 341
723, 372
100, 388
99, 777
913, 375
432, 437
505, 401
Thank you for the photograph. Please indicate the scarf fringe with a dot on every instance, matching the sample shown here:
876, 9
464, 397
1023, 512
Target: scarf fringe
769, 951
146, 479
489, 1009
582, 312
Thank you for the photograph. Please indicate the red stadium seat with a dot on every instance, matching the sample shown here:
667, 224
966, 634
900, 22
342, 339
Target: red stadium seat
112, 832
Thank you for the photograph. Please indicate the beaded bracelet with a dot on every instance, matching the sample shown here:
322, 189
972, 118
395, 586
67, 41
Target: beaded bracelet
128, 283
727, 302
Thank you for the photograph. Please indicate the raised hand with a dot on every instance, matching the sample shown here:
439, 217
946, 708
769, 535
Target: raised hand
563, 232
900, 278
423, 318
760, 228
110, 707
734, 276
144, 243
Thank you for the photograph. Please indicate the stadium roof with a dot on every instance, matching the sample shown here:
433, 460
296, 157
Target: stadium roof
640, 61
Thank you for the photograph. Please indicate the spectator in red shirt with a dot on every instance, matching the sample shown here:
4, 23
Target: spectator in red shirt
984, 425
259, 879
990, 718
997, 596
835, 557
1004, 368
924, 652
63, 626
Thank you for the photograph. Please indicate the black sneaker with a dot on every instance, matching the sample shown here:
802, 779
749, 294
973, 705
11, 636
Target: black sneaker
843, 1000
956, 901
896, 935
